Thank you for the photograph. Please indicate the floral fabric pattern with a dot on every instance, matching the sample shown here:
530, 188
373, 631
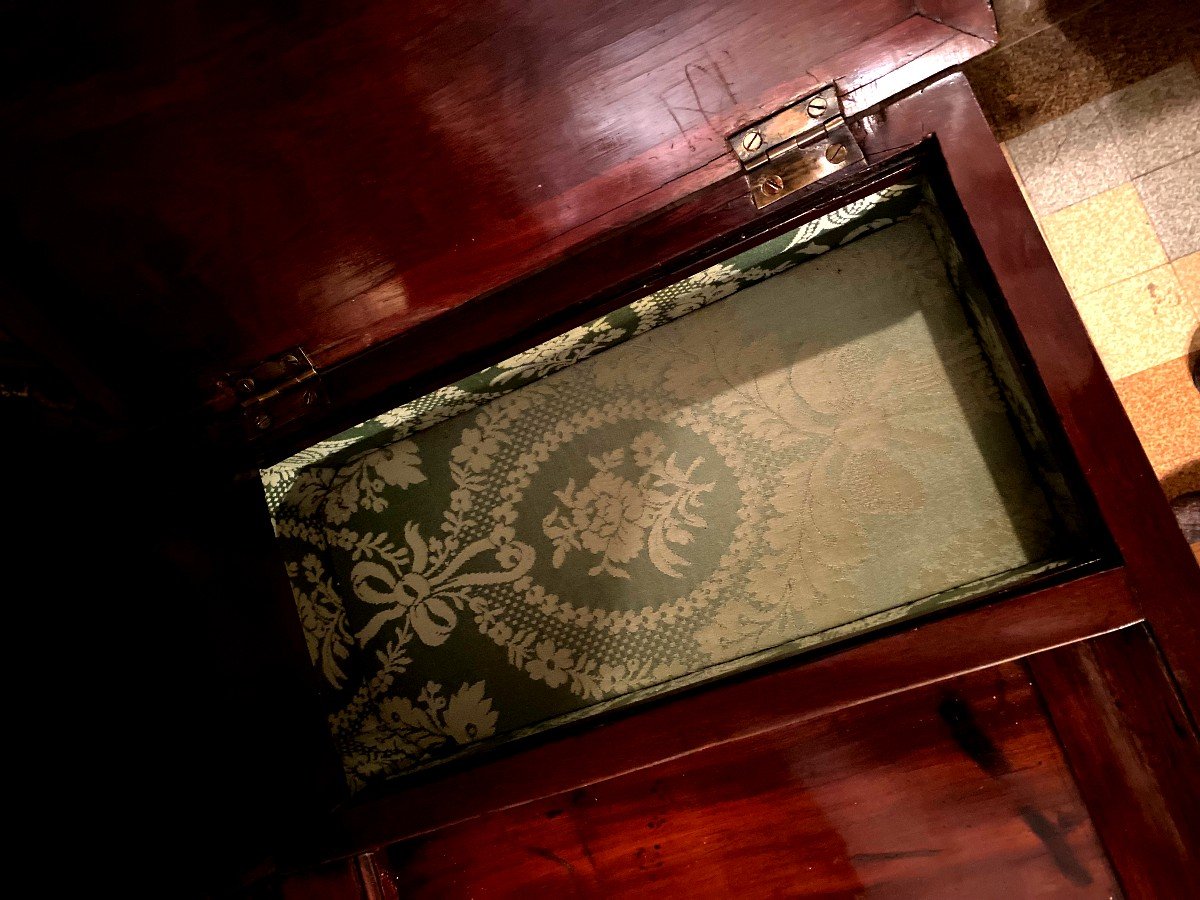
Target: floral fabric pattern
755, 460
617, 518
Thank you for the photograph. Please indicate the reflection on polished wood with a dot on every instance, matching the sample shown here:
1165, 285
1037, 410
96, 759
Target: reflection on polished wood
954, 789
206, 186
1134, 752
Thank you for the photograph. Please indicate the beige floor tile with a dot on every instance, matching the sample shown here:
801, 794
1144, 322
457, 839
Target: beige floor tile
1103, 240
1187, 270
1164, 407
1156, 121
1180, 476
1069, 159
1139, 322
1171, 196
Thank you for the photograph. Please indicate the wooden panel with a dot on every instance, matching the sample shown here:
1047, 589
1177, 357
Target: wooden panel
964, 15
205, 184
764, 700
954, 789
1135, 755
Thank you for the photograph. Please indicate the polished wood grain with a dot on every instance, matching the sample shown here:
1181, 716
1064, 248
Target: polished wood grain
623, 267
342, 880
457, 182
988, 215
964, 15
953, 789
203, 186
572, 757
1135, 754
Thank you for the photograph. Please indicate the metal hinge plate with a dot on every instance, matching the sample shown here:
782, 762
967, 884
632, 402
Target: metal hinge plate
795, 147
277, 391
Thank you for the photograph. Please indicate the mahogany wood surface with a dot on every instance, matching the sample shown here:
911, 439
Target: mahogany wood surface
953, 789
205, 185
575, 756
991, 213
1134, 753
464, 180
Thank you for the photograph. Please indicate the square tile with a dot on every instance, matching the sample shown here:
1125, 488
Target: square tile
1099, 49
1171, 196
1068, 160
1035, 80
1102, 240
1140, 322
1020, 18
1187, 270
1164, 407
1157, 120
1180, 476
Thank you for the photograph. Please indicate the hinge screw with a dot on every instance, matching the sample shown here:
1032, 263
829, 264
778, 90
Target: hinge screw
836, 153
246, 385
772, 185
291, 361
752, 141
262, 421
817, 106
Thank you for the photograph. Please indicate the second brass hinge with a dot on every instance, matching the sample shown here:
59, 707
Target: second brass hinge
795, 147
276, 392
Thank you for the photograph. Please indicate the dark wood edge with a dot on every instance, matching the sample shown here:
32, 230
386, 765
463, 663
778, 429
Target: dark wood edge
910, 51
376, 885
775, 697
671, 224
943, 117
963, 15
608, 273
1162, 570
1134, 754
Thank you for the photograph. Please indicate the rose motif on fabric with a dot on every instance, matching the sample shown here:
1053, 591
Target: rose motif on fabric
606, 515
617, 517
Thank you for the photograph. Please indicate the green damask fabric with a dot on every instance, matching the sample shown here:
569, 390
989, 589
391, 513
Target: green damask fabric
824, 452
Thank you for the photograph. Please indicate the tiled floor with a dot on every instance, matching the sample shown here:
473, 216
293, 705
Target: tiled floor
1115, 186
1056, 55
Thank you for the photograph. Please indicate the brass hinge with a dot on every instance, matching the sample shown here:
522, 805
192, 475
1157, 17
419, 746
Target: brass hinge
277, 391
796, 147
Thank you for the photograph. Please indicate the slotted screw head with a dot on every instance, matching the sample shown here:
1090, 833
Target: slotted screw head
262, 421
246, 385
836, 153
772, 185
291, 361
816, 106
309, 398
751, 141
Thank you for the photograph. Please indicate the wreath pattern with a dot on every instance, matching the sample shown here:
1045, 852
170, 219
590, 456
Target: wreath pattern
693, 486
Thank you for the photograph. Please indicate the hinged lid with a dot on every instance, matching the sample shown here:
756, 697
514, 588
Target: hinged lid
275, 392
198, 193
796, 146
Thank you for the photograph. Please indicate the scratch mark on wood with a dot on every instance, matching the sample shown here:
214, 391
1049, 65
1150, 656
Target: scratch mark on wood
1054, 839
896, 854
552, 857
970, 737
